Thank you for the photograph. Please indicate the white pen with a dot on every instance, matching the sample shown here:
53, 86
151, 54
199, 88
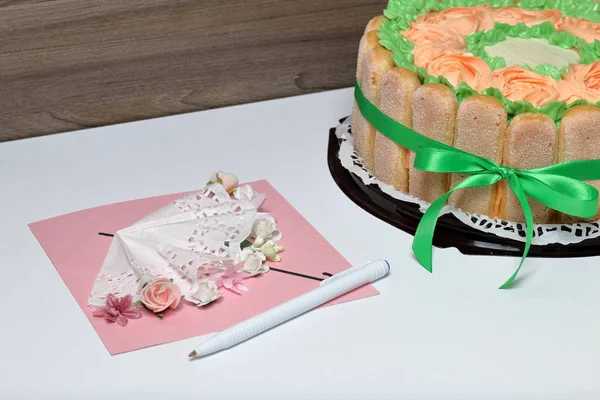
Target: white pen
329, 289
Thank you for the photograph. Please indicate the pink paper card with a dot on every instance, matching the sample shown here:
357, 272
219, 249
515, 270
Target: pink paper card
77, 244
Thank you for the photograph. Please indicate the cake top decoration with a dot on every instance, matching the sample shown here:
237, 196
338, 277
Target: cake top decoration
463, 45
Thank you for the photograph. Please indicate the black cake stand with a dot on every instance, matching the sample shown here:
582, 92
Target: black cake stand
449, 232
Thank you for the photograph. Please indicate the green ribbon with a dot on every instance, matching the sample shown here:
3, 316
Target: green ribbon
558, 186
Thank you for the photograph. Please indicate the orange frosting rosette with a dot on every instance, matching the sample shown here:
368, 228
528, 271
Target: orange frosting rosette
432, 41
458, 68
516, 15
464, 20
519, 84
581, 82
581, 28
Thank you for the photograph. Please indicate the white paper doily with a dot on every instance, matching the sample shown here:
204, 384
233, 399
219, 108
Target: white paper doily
542, 234
198, 233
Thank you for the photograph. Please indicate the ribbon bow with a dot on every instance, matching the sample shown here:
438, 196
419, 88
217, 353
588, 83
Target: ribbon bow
558, 186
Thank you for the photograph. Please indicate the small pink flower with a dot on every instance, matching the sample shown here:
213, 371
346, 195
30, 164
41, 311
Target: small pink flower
232, 280
118, 310
160, 294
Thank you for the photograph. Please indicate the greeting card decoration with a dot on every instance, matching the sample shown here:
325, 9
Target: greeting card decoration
189, 250
77, 245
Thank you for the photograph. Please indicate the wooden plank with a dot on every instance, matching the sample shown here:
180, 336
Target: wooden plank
70, 64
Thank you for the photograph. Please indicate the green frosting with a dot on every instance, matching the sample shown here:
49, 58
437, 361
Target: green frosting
400, 14
590, 53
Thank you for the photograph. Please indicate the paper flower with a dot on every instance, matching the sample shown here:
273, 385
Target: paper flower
228, 180
232, 279
271, 250
252, 261
264, 229
159, 295
204, 292
118, 310
244, 192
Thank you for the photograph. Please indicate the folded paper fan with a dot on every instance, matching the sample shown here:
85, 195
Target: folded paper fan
199, 243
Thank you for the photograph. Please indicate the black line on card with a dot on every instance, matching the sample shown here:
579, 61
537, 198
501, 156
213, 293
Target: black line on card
282, 271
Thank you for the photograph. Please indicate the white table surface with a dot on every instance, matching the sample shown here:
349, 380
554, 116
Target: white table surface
450, 335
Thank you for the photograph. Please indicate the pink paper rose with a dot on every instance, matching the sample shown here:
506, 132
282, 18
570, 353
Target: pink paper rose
517, 83
464, 20
581, 28
582, 82
160, 294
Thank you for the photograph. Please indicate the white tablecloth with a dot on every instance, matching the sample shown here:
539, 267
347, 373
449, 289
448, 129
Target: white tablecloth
450, 335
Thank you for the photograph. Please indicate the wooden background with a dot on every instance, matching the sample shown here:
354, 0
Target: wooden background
72, 64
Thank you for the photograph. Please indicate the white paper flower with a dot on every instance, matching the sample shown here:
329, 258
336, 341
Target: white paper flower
264, 229
253, 261
244, 192
203, 293
228, 180
271, 250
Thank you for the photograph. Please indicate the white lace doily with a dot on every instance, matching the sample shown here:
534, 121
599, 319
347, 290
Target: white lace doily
542, 234
204, 229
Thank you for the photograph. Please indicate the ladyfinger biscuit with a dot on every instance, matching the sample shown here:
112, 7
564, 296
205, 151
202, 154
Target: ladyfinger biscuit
374, 24
377, 62
579, 139
390, 159
434, 116
368, 42
531, 142
480, 129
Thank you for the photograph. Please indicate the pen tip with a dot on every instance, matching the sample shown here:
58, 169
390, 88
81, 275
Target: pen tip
193, 354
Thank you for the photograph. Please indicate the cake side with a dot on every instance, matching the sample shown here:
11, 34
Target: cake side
377, 62
579, 139
439, 125
390, 160
531, 142
480, 129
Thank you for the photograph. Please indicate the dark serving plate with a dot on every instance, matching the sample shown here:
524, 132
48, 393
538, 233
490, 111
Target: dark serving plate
449, 232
